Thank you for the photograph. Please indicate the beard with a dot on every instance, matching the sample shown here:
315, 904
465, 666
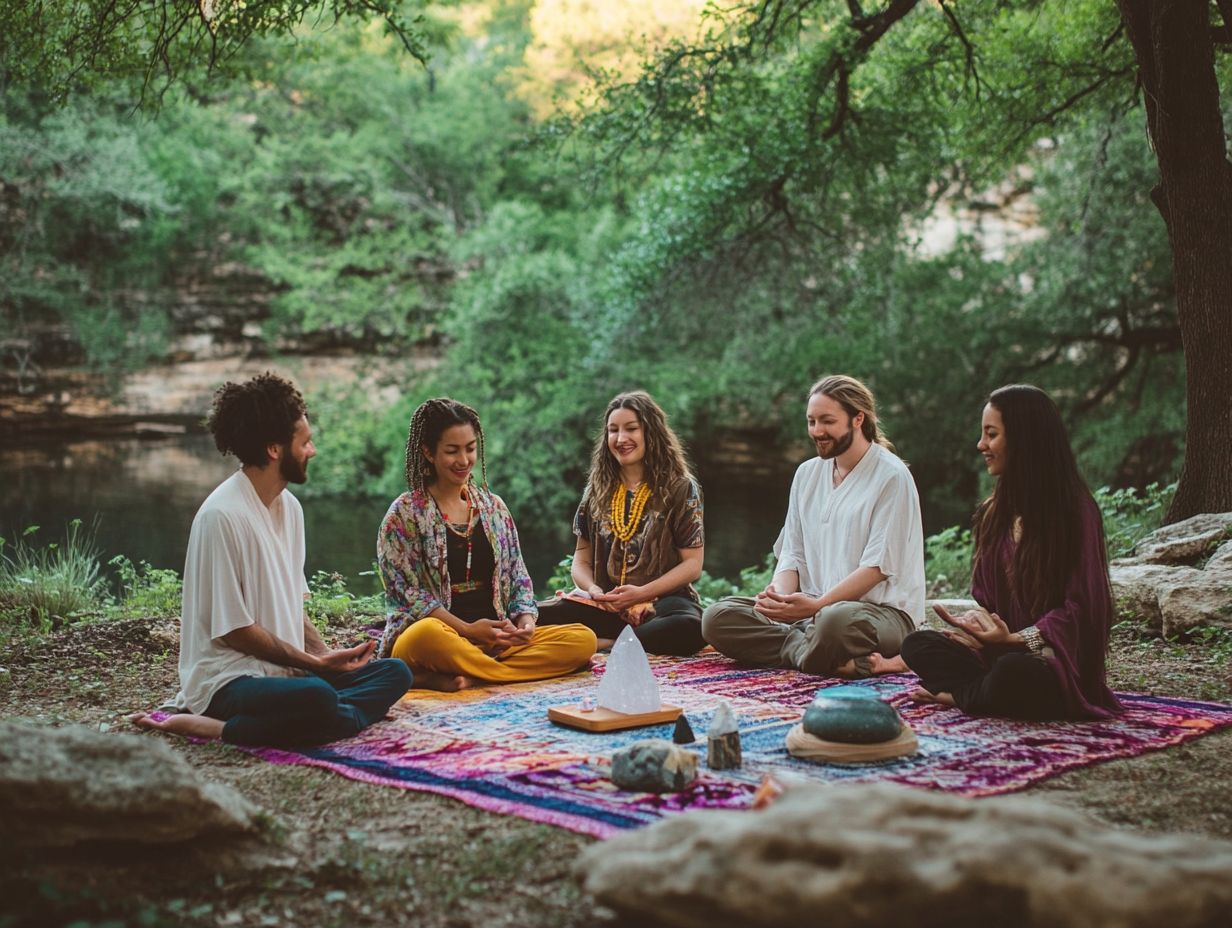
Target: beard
291, 470
839, 445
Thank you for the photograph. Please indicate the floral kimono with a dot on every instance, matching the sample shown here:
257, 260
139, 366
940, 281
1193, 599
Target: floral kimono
412, 552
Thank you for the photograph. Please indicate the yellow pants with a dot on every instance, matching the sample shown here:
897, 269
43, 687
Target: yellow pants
555, 650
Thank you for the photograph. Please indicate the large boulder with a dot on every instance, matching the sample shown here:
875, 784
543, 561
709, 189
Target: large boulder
1179, 577
61, 787
879, 854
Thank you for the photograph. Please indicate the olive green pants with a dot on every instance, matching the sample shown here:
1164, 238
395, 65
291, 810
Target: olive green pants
819, 645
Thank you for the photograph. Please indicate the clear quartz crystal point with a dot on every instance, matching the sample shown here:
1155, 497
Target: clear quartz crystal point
628, 685
723, 722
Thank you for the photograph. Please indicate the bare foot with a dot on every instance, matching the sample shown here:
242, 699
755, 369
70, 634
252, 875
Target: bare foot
604, 644
919, 694
441, 682
878, 664
847, 671
184, 723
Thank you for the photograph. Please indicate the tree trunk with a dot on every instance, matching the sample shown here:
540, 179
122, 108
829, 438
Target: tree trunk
1173, 42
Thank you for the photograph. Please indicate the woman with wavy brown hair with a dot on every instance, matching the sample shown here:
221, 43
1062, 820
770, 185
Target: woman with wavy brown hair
1034, 649
640, 540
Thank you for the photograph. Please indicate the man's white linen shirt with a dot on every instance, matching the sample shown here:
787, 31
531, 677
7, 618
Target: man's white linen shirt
871, 519
245, 566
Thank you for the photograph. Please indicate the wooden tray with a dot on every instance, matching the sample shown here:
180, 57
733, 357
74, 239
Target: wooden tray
599, 719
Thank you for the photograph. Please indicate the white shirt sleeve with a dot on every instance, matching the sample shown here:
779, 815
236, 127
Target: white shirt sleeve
216, 562
890, 529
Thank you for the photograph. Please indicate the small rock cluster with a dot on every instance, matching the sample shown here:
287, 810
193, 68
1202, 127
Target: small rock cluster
1180, 577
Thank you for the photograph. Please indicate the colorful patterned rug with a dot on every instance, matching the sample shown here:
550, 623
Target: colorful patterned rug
494, 748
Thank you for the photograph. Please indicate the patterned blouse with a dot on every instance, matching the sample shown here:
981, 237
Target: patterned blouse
412, 552
667, 525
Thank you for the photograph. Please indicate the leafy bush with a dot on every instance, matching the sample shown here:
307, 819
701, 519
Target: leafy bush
752, 580
1130, 515
360, 441
947, 563
711, 589
331, 603
562, 577
48, 586
145, 591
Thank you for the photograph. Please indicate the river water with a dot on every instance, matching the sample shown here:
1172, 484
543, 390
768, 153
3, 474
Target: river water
144, 492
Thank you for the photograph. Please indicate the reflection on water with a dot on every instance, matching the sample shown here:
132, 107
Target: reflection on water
145, 493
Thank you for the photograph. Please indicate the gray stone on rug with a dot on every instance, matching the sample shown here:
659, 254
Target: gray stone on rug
859, 856
654, 766
61, 787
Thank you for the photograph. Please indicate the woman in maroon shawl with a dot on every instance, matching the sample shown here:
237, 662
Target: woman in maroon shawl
1035, 649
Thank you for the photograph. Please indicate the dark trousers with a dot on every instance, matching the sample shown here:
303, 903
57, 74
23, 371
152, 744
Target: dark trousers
314, 709
675, 629
1010, 684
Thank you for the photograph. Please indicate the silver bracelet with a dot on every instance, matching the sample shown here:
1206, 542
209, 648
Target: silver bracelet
1032, 638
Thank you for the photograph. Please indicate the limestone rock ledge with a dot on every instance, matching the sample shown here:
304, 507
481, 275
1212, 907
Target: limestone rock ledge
878, 854
1179, 577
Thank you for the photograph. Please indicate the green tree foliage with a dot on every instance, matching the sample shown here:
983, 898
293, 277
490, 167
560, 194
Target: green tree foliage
151, 44
88, 227
883, 111
781, 240
762, 204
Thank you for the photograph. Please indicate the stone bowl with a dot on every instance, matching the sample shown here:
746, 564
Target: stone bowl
851, 718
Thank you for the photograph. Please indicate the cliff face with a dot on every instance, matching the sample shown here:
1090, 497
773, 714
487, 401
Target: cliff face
216, 326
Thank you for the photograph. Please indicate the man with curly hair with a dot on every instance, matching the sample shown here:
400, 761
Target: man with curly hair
253, 669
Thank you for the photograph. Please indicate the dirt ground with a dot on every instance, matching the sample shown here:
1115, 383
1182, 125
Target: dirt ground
340, 852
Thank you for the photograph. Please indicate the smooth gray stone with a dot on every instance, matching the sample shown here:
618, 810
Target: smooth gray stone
852, 721
654, 766
1180, 577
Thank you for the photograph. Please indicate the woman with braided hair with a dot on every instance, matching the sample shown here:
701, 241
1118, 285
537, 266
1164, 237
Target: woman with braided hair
639, 533
459, 604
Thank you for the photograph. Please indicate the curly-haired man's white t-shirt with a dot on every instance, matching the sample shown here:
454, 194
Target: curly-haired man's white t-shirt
245, 566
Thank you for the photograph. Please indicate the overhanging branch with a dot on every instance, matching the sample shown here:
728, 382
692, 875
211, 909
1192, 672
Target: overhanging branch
1050, 115
968, 48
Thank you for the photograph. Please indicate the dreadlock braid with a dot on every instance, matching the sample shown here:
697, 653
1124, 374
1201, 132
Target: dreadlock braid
428, 424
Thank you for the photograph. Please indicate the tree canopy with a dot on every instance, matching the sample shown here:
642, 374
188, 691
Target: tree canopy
937, 198
76, 45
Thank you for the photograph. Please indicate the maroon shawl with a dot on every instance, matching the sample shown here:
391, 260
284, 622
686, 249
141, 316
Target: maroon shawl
1076, 629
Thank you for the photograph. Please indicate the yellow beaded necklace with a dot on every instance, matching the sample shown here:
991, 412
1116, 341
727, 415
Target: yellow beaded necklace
624, 529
